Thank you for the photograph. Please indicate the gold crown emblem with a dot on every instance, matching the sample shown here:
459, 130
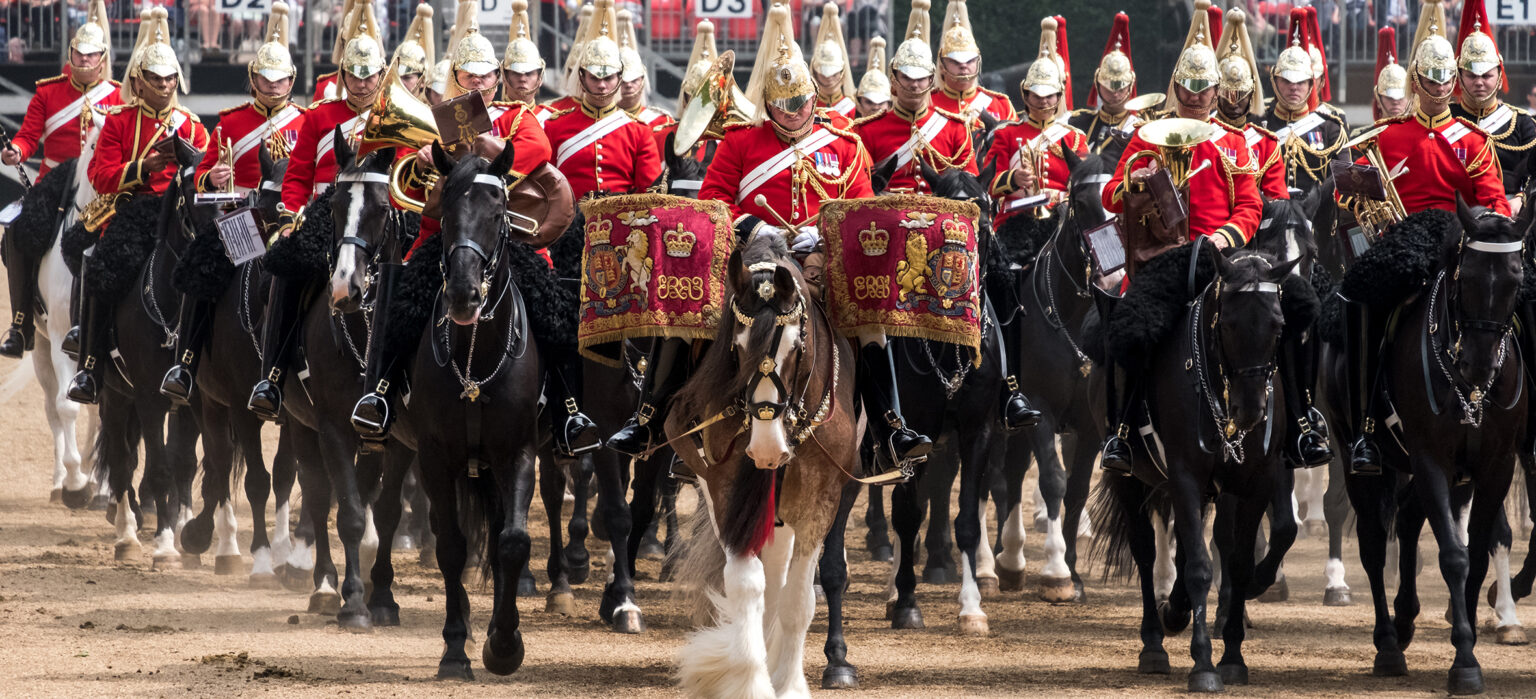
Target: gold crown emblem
599, 232
874, 240
679, 243
956, 232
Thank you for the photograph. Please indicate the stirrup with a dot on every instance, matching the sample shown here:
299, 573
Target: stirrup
15, 343
177, 385
371, 416
578, 435
1364, 457
266, 401
1115, 454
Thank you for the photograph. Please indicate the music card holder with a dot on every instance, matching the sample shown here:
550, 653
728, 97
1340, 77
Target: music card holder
1165, 194
1106, 243
461, 119
1028, 202
1354, 180
223, 201
9, 213
241, 231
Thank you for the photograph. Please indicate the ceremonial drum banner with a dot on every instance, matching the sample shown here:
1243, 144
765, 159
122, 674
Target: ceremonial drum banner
653, 266
904, 265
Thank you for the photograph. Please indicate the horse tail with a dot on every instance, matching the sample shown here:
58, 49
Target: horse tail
1116, 500
699, 564
477, 508
750, 502
237, 468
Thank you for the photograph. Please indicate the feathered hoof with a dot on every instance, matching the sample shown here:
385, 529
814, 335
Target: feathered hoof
56, 497
1153, 661
1010, 580
1464, 681
840, 677
455, 670
1057, 590
1390, 663
1233, 673
1317, 529
126, 550
326, 602
1337, 597
907, 618
974, 625
165, 561
562, 603
357, 621
628, 621
882, 553
1512, 635
502, 655
191, 561
1205, 682
526, 585
990, 588
228, 565
76, 499
403, 542
1278, 592
265, 581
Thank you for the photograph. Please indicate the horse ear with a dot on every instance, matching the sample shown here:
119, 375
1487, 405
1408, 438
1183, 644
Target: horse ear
264, 157
503, 163
930, 175
342, 149
440, 159
384, 157
1310, 204
1223, 264
1279, 272
1464, 213
986, 175
668, 149
739, 276
784, 281
881, 176
1072, 158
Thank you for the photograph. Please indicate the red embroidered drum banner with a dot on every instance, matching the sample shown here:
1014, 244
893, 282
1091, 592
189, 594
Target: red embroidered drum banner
653, 266
903, 265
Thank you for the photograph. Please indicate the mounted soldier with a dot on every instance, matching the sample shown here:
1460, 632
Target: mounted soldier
1449, 157
268, 120
1114, 83
1210, 165
1481, 79
130, 161
311, 169
874, 92
416, 54
634, 87
326, 86
570, 78
522, 68
700, 77
832, 67
959, 68
1389, 97
1310, 137
62, 112
1240, 96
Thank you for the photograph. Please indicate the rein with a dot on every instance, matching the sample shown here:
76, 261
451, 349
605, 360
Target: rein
1052, 305
1219, 409
491, 267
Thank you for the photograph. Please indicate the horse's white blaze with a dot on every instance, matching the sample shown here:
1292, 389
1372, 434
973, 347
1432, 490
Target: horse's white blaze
1014, 533
226, 528
261, 561
970, 595
1163, 572
346, 258
1292, 249
1334, 571
728, 659
1503, 601
768, 442
1055, 551
368, 549
165, 543
985, 563
127, 525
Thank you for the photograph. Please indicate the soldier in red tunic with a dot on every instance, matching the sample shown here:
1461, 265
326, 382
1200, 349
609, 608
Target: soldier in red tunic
326, 86
416, 54
633, 85
242, 132
1114, 83
1240, 97
60, 107
127, 162
959, 67
874, 92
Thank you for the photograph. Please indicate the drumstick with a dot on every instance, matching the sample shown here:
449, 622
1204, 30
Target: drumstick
762, 201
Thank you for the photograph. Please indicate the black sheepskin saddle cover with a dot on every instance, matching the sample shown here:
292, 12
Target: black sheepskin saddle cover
552, 306
1018, 243
305, 255
36, 227
204, 271
113, 269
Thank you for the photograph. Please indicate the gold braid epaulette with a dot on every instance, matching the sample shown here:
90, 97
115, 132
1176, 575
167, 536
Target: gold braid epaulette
865, 120
556, 114
1513, 122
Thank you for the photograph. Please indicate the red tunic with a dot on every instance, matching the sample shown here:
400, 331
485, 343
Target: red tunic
996, 103
1223, 196
247, 127
840, 165
53, 118
941, 139
845, 106
1441, 157
312, 163
1006, 144
126, 137
549, 109
1266, 151
325, 88
624, 159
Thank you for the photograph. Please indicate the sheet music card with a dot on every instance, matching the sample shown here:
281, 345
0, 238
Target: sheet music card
241, 231
1105, 242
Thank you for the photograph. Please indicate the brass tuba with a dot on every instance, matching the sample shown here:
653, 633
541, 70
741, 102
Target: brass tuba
717, 103
400, 119
1375, 215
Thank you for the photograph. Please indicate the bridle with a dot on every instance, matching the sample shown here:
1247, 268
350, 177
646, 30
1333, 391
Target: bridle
1473, 401
490, 265
492, 260
1220, 408
799, 422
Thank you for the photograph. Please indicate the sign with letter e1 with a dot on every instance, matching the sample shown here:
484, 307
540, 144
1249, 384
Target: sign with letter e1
738, 9
1514, 12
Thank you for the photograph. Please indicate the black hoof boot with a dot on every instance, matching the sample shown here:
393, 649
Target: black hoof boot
14, 344
1365, 458
1116, 455
177, 384
266, 401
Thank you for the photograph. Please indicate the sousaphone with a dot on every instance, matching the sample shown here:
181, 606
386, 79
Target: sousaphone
717, 103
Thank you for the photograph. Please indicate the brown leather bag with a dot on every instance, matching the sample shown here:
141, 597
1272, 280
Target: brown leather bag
1146, 233
545, 197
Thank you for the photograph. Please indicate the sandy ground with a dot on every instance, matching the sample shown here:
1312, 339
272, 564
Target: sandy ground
75, 623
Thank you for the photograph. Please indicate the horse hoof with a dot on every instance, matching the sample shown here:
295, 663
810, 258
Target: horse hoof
99, 503
1278, 592
1174, 622
880, 554
652, 550
1390, 664
974, 625
1337, 597
75, 499
1317, 529
1057, 590
265, 581
938, 575
126, 551
325, 602
403, 542
165, 561
562, 603
228, 565
385, 615
355, 621
579, 574
989, 587
1205, 681
1464, 681
191, 561
56, 497
526, 587
196, 536
455, 670
840, 677
298, 579
505, 660
1010, 580
1512, 635
907, 618
1153, 662
1233, 673
427, 557
628, 621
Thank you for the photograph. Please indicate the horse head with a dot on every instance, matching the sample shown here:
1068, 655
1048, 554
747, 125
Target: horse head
1247, 321
768, 316
1085, 187
981, 139
1485, 269
474, 228
683, 174
1285, 233
269, 194
959, 185
360, 212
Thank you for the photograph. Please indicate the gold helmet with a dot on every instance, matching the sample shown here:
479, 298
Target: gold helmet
957, 43
1235, 60
363, 55
437, 78
831, 55
629, 48
1293, 64
1391, 79
1196, 68
343, 30
600, 55
273, 61
1433, 57
1115, 71
701, 59
95, 35
153, 54
522, 55
875, 86
415, 54
780, 76
472, 53
1479, 53
914, 58
1045, 76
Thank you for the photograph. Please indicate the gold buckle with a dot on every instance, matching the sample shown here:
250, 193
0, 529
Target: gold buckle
90, 363
382, 388
1123, 431
19, 318
1370, 426
894, 420
186, 356
643, 415
1013, 383
570, 406
275, 375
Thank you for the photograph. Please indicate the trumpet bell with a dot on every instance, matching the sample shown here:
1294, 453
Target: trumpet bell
1177, 132
400, 119
1146, 101
717, 103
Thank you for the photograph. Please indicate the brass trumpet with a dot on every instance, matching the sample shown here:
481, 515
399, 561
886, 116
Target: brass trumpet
227, 158
1033, 153
402, 120
1175, 139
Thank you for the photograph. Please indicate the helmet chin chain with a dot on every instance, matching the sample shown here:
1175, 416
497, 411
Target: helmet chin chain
1424, 94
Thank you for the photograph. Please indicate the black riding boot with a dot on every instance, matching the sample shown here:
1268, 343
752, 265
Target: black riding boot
196, 324
1525, 317
22, 276
70, 345
1016, 411
95, 323
664, 372
1115, 453
574, 432
1310, 447
1362, 348
372, 415
897, 447
278, 333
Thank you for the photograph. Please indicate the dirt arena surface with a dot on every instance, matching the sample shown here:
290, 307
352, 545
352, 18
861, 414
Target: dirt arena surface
75, 623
